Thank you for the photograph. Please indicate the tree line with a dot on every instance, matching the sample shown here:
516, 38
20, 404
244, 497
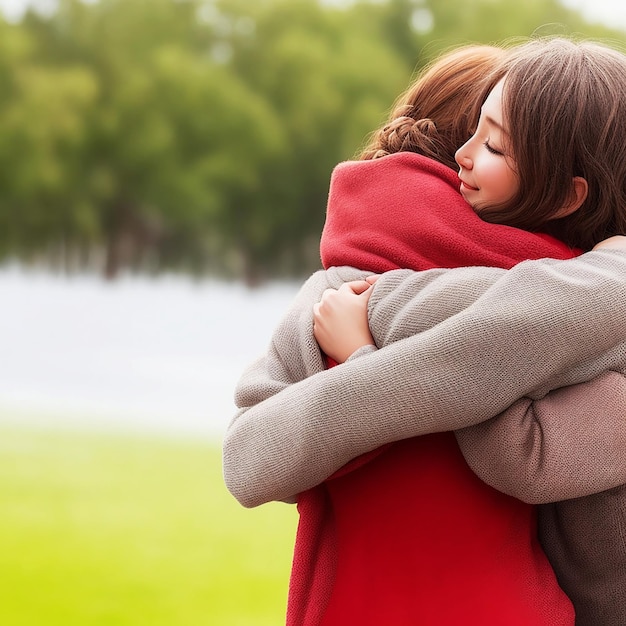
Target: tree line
200, 135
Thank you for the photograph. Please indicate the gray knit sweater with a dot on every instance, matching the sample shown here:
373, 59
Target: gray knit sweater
459, 346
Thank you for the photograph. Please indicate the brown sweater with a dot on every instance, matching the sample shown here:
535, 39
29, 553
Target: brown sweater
281, 444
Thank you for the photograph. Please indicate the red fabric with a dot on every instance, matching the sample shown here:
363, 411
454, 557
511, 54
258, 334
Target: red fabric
405, 211
408, 535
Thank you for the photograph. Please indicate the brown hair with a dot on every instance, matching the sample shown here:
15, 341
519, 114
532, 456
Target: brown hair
438, 112
564, 106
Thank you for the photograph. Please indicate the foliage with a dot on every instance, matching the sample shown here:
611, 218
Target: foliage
201, 134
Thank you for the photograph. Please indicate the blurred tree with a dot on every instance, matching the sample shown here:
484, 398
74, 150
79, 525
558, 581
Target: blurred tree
42, 129
201, 134
328, 85
172, 135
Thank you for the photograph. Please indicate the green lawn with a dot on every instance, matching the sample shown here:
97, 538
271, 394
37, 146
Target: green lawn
117, 530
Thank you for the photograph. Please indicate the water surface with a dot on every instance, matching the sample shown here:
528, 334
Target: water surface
151, 354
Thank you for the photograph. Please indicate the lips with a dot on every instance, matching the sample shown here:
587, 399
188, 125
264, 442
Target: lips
466, 187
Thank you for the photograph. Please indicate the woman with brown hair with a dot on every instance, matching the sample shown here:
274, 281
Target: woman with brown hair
418, 539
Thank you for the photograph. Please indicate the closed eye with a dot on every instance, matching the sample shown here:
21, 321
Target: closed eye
491, 149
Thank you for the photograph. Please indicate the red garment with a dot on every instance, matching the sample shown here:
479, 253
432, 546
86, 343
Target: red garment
408, 535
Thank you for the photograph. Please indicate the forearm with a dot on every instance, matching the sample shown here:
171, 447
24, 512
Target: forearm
567, 445
434, 381
403, 305
552, 295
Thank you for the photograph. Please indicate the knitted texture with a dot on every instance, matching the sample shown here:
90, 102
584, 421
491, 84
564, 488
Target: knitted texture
288, 437
445, 391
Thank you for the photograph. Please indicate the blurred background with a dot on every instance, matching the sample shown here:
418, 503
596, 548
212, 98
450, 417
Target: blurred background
164, 166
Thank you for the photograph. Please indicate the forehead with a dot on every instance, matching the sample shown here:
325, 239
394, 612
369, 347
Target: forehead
492, 107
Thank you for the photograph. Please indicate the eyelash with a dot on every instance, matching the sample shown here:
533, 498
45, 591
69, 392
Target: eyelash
490, 149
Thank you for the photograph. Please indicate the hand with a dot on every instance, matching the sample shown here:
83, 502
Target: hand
618, 242
340, 322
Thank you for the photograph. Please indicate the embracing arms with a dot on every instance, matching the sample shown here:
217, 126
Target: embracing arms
281, 443
543, 448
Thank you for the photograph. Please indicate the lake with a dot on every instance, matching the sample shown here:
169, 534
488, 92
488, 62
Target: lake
159, 354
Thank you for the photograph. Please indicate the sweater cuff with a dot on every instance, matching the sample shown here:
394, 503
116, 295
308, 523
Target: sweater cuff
369, 349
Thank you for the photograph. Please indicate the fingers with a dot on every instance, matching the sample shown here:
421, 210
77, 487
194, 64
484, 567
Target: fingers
359, 288
328, 297
340, 323
355, 286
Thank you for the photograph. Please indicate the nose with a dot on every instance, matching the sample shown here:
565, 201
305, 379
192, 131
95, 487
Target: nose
461, 156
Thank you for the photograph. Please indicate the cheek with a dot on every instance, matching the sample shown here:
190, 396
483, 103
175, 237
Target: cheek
505, 182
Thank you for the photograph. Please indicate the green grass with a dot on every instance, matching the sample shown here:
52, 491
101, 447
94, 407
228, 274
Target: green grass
118, 530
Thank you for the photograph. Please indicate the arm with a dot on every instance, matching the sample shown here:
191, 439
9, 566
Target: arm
569, 444
293, 354
565, 445
297, 438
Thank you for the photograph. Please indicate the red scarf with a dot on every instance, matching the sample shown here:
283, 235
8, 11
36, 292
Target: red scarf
408, 535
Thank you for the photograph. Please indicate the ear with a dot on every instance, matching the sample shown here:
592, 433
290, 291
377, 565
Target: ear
577, 197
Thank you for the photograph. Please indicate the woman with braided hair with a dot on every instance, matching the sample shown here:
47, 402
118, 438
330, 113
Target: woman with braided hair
406, 533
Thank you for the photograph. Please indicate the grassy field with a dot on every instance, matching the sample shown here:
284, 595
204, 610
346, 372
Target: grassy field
118, 530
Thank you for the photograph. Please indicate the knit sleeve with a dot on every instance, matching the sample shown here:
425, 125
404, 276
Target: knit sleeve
437, 379
566, 445
292, 354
